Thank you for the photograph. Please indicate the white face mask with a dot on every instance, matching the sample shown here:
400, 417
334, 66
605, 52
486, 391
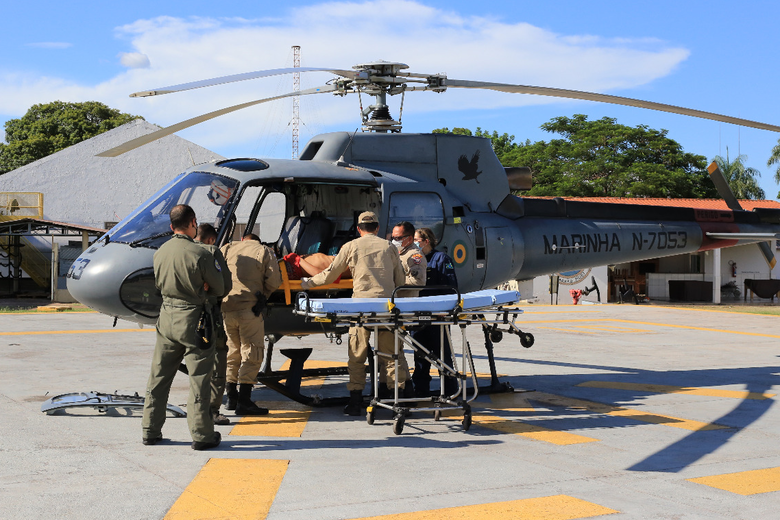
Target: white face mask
419, 245
397, 244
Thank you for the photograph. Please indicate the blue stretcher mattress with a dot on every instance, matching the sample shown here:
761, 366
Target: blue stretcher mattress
443, 303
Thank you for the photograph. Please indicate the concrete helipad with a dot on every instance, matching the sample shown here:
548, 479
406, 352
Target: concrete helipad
628, 411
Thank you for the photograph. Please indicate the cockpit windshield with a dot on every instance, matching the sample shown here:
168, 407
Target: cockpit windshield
208, 194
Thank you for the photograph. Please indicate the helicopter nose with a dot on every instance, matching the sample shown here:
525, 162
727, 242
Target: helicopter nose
117, 280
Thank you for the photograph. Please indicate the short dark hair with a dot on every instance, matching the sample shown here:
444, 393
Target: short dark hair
251, 236
181, 216
371, 227
206, 231
408, 227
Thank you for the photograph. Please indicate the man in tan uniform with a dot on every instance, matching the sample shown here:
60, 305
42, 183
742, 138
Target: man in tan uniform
376, 272
186, 275
206, 237
255, 275
412, 259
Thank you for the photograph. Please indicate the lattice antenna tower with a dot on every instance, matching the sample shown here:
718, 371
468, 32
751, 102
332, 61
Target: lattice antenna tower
296, 99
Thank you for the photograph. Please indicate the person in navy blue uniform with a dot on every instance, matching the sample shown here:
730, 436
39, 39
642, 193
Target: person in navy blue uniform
441, 271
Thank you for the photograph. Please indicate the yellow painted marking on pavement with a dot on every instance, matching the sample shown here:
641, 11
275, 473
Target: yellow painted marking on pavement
744, 482
46, 312
668, 389
614, 328
715, 310
235, 489
705, 329
558, 507
517, 403
568, 330
314, 382
615, 411
284, 419
652, 324
558, 312
92, 331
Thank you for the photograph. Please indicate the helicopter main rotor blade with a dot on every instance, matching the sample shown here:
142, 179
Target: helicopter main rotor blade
238, 77
148, 138
605, 98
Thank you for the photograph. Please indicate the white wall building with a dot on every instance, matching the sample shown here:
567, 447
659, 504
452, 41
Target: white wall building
80, 188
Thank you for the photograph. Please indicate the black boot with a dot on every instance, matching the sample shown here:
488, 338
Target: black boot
245, 404
355, 403
232, 395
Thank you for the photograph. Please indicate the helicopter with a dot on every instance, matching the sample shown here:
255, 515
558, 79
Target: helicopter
452, 184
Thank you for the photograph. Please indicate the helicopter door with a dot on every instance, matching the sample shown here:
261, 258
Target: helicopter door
500, 250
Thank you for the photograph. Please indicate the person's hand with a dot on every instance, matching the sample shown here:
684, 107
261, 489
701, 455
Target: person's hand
305, 283
205, 286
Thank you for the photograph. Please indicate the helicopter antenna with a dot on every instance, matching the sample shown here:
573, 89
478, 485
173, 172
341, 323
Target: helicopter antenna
341, 161
296, 99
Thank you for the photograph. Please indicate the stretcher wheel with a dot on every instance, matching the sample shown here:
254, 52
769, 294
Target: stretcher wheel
370, 415
466, 420
527, 339
398, 424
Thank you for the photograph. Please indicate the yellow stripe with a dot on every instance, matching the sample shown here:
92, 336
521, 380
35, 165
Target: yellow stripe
534, 322
285, 418
518, 404
558, 507
235, 489
667, 389
46, 312
568, 330
637, 415
744, 482
93, 331
614, 328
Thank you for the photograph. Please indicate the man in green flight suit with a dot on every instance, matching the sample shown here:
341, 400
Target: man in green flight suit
186, 274
207, 237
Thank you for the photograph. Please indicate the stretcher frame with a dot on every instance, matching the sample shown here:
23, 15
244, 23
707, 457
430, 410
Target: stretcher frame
400, 323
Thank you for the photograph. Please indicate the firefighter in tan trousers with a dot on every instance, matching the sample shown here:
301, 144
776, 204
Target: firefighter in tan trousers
255, 275
376, 272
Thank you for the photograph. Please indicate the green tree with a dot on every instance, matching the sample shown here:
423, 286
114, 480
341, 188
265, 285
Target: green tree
605, 159
775, 159
502, 143
741, 179
48, 128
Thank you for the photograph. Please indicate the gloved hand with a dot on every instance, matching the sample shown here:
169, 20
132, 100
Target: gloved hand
305, 283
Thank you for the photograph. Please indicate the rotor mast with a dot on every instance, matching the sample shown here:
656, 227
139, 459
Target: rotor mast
379, 79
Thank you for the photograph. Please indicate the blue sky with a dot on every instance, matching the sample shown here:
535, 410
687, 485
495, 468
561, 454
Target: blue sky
715, 56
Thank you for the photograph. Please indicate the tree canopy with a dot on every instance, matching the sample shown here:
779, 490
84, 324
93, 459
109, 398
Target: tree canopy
741, 178
605, 159
48, 128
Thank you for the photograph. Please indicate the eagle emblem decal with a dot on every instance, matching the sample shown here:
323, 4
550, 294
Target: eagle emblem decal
469, 168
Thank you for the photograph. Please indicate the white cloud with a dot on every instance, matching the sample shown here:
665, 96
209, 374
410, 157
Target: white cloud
134, 60
167, 51
49, 45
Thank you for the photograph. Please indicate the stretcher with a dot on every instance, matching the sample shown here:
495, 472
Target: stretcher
290, 286
489, 309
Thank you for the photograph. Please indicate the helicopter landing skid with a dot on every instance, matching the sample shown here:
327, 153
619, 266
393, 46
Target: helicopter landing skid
101, 402
294, 376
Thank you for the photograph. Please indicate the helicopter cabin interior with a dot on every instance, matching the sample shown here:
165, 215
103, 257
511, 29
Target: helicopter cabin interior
309, 218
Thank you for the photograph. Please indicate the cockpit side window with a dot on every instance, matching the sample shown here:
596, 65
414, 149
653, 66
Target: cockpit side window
261, 211
207, 193
423, 209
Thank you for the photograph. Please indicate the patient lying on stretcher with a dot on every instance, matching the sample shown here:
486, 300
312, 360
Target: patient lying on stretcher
299, 266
